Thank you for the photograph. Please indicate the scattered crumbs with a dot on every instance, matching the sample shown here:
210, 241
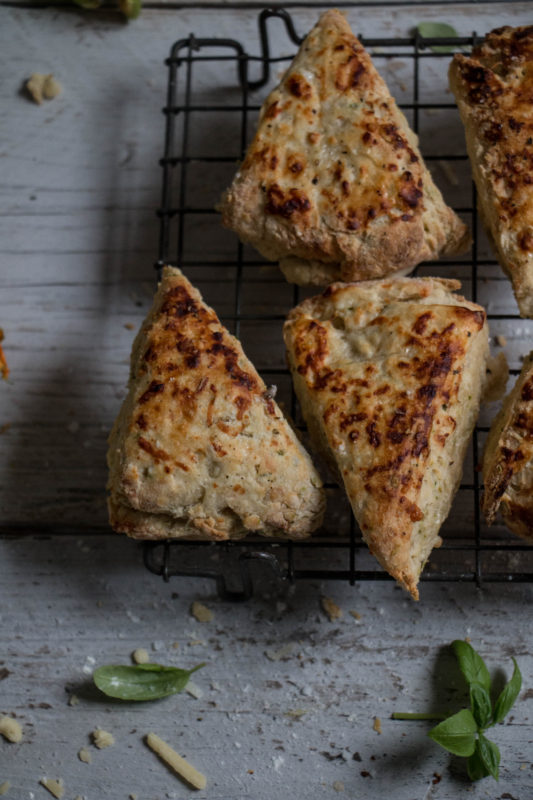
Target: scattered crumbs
176, 762
523, 766
42, 87
10, 729
195, 642
437, 777
332, 609
377, 725
500, 340
56, 788
468, 639
140, 656
5, 787
356, 615
283, 654
200, 612
296, 713
73, 700
250, 772
175, 645
102, 739
130, 327
4, 369
338, 786
194, 690
84, 755
133, 796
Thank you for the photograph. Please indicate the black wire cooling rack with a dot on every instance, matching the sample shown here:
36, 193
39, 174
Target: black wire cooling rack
215, 90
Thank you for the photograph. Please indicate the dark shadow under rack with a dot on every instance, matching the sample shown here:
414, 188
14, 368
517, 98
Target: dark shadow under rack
474, 555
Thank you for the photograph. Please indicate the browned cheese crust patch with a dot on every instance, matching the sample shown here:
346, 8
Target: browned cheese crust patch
389, 375
494, 92
334, 175
508, 458
200, 449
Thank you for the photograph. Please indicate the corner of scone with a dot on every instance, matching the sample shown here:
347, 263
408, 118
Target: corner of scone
333, 185
493, 87
389, 375
199, 448
508, 458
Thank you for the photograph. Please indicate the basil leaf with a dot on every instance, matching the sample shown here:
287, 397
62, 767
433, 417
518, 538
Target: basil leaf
481, 705
457, 734
437, 30
475, 766
508, 695
471, 664
141, 682
490, 755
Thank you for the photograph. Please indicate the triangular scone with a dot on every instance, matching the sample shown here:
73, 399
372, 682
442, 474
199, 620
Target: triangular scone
199, 448
493, 88
334, 174
389, 376
508, 458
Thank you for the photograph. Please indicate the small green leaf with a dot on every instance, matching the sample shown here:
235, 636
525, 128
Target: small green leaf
508, 696
457, 734
130, 8
141, 682
471, 664
437, 30
475, 766
490, 755
481, 705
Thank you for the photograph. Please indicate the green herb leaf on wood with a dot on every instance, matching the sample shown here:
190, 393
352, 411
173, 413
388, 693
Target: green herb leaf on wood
510, 692
471, 664
490, 755
481, 705
457, 734
141, 682
437, 30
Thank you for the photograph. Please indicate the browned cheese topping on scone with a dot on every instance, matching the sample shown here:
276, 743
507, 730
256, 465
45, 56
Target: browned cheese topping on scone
494, 91
389, 375
508, 458
334, 175
199, 448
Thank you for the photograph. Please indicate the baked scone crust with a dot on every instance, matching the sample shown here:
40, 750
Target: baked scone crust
334, 175
508, 458
199, 448
389, 375
494, 89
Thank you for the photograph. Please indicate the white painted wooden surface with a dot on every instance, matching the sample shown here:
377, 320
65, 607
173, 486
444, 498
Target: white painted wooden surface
79, 185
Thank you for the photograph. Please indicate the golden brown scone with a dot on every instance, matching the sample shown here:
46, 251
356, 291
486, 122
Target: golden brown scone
334, 175
199, 448
389, 376
494, 89
508, 458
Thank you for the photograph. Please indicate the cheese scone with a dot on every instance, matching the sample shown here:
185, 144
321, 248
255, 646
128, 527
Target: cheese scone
200, 449
508, 458
334, 175
493, 87
389, 375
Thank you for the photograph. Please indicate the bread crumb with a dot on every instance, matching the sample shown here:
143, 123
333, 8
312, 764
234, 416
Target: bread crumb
10, 729
56, 788
295, 713
338, 786
129, 326
102, 739
5, 787
4, 369
195, 642
200, 612
175, 645
42, 87
356, 614
140, 656
523, 766
500, 340
332, 609
178, 764
133, 796
194, 690
84, 755
73, 700
377, 725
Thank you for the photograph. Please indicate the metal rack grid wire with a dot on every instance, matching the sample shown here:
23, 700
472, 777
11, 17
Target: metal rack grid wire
218, 112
